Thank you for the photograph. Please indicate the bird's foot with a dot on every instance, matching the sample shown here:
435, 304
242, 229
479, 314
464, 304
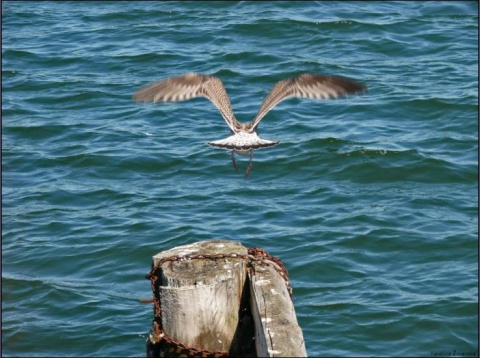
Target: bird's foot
250, 165
249, 168
234, 161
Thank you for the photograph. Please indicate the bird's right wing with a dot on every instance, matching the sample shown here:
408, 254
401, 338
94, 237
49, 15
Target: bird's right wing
307, 85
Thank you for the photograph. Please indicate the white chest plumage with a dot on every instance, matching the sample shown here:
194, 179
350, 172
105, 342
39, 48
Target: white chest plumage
243, 142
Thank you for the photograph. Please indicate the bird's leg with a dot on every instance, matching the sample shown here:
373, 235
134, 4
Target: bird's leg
250, 164
234, 161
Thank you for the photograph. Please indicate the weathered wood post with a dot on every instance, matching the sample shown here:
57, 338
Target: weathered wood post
218, 298
277, 333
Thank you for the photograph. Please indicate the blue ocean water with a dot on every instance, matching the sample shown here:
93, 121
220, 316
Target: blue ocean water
370, 201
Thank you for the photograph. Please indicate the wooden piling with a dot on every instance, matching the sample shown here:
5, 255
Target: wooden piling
215, 297
277, 333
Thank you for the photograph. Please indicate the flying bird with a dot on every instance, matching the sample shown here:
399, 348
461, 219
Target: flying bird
244, 138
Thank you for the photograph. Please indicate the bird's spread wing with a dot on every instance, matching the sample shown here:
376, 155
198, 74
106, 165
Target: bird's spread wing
189, 86
306, 85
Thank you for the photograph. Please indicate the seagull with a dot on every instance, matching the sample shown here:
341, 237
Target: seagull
244, 138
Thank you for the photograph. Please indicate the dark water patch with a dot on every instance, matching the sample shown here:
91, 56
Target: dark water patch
381, 165
249, 56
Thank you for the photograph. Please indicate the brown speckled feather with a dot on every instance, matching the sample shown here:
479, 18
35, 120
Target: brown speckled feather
189, 86
307, 85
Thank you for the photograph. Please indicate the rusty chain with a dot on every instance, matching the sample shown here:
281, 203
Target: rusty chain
255, 255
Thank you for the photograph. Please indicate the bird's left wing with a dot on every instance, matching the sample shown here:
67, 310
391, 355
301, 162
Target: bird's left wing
189, 86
